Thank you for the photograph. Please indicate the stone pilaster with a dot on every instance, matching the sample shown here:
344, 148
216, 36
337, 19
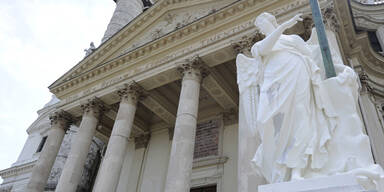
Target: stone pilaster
181, 158
371, 118
60, 122
74, 165
114, 157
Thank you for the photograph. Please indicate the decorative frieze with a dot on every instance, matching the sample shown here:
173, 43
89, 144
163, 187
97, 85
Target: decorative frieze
78, 75
62, 118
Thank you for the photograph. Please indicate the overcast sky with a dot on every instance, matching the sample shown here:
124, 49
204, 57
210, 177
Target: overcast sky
39, 41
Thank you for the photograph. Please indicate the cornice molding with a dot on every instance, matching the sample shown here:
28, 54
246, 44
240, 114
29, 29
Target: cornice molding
130, 30
17, 170
206, 24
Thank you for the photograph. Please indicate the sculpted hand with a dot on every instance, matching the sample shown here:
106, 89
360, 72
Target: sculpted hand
290, 23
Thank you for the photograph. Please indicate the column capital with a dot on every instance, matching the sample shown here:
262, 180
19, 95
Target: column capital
94, 105
131, 92
194, 68
142, 141
61, 117
245, 43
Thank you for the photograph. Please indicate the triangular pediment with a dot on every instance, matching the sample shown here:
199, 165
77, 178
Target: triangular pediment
165, 17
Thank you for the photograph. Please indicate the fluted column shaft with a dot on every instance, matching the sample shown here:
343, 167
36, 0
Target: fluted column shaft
181, 159
74, 165
114, 157
60, 122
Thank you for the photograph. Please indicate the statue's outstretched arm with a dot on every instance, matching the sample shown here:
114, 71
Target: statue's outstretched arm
267, 44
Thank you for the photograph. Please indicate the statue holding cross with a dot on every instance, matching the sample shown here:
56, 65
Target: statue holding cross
307, 122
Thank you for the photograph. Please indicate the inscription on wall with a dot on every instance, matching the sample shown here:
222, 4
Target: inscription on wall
207, 139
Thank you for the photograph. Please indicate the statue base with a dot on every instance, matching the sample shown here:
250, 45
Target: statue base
338, 183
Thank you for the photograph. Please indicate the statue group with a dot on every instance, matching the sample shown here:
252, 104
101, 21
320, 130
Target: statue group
309, 126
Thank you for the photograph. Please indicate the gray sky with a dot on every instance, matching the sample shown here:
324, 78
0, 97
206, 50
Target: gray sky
39, 41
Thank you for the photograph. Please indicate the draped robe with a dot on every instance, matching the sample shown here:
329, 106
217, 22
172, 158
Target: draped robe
278, 100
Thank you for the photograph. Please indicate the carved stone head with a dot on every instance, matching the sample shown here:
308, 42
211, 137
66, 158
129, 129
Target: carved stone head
266, 23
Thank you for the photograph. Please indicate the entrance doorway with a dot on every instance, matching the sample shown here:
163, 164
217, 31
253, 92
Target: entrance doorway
205, 189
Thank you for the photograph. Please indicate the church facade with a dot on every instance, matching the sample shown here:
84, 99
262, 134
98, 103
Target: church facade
155, 107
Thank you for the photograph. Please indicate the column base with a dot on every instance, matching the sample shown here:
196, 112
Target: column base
338, 183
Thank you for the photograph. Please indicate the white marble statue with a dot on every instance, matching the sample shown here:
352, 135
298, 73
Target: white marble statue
308, 126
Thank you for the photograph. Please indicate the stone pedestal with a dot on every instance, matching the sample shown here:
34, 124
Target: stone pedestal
338, 183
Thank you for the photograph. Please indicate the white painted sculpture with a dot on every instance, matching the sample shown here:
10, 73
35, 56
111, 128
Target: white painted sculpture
309, 127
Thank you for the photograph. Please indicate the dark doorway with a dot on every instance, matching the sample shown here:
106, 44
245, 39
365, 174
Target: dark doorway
205, 189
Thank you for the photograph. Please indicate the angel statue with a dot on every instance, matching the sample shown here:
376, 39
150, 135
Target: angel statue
308, 125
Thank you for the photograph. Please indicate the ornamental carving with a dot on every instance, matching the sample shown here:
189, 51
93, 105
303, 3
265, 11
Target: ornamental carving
194, 67
131, 92
364, 80
330, 18
95, 106
174, 20
62, 118
244, 45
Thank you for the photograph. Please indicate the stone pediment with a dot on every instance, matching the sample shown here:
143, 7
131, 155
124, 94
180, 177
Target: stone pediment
161, 19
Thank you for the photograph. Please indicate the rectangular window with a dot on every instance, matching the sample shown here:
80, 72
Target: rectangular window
41, 145
205, 189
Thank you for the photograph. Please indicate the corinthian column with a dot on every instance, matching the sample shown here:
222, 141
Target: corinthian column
181, 159
113, 161
60, 122
74, 165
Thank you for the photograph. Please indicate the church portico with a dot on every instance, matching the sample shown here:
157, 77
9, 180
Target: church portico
162, 93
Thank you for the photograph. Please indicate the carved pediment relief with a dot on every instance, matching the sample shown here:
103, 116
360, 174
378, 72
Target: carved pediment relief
166, 31
175, 19
161, 19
